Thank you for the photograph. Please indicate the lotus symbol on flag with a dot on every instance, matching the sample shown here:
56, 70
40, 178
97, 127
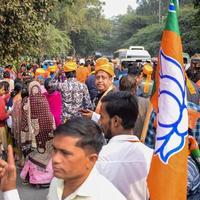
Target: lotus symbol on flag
172, 113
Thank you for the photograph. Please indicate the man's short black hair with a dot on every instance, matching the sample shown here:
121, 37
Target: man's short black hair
134, 69
88, 131
6, 74
71, 74
128, 83
124, 105
8, 66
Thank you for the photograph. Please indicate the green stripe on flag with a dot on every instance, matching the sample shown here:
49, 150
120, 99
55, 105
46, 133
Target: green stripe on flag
172, 20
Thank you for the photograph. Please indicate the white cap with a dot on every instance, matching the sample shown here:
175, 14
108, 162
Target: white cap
82, 61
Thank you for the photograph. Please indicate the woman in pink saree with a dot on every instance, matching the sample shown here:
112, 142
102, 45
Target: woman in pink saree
55, 101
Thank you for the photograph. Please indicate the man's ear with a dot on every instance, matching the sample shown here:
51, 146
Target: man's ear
116, 121
92, 158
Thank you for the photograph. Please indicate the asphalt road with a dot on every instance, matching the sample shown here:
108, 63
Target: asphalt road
29, 192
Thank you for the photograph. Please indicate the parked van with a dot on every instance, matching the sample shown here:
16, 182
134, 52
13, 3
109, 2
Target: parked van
136, 48
126, 56
136, 56
119, 55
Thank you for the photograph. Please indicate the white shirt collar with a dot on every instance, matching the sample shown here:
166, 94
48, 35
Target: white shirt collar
124, 138
84, 190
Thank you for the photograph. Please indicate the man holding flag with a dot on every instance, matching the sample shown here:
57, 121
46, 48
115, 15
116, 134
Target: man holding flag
168, 173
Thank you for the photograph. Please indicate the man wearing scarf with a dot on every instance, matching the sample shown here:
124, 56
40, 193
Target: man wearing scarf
104, 73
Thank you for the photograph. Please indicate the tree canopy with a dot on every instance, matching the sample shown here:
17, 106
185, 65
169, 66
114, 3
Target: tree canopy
142, 27
56, 28
20, 27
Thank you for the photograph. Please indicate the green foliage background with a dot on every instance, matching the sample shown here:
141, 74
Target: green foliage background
56, 28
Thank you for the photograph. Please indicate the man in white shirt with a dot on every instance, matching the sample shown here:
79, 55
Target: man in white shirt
125, 161
75, 150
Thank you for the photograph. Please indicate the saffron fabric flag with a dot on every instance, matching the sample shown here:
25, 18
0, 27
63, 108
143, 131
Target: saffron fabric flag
168, 172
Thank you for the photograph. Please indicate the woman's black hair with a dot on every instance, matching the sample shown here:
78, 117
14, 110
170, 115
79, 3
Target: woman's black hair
18, 88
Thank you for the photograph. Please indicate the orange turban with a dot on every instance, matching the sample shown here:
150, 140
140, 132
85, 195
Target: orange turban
104, 65
70, 66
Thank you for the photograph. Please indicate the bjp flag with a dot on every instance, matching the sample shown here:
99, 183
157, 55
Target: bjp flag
167, 178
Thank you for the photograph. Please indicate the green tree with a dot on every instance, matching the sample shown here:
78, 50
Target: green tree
151, 7
188, 18
149, 37
124, 26
55, 43
20, 27
83, 22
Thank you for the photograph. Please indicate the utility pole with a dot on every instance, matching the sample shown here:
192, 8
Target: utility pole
159, 11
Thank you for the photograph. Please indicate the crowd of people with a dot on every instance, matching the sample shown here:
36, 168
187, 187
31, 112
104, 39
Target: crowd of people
87, 128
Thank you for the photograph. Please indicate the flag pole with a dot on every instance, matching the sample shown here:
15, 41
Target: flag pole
146, 122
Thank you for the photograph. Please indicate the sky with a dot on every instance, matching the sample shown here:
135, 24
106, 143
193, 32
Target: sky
116, 7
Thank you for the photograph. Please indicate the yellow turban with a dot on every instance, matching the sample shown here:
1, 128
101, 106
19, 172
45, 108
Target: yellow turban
70, 66
52, 68
101, 61
107, 67
40, 72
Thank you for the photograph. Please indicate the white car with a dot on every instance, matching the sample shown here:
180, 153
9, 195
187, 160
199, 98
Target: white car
48, 62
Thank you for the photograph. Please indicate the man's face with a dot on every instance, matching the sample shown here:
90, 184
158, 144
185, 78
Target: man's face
105, 122
70, 162
103, 81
